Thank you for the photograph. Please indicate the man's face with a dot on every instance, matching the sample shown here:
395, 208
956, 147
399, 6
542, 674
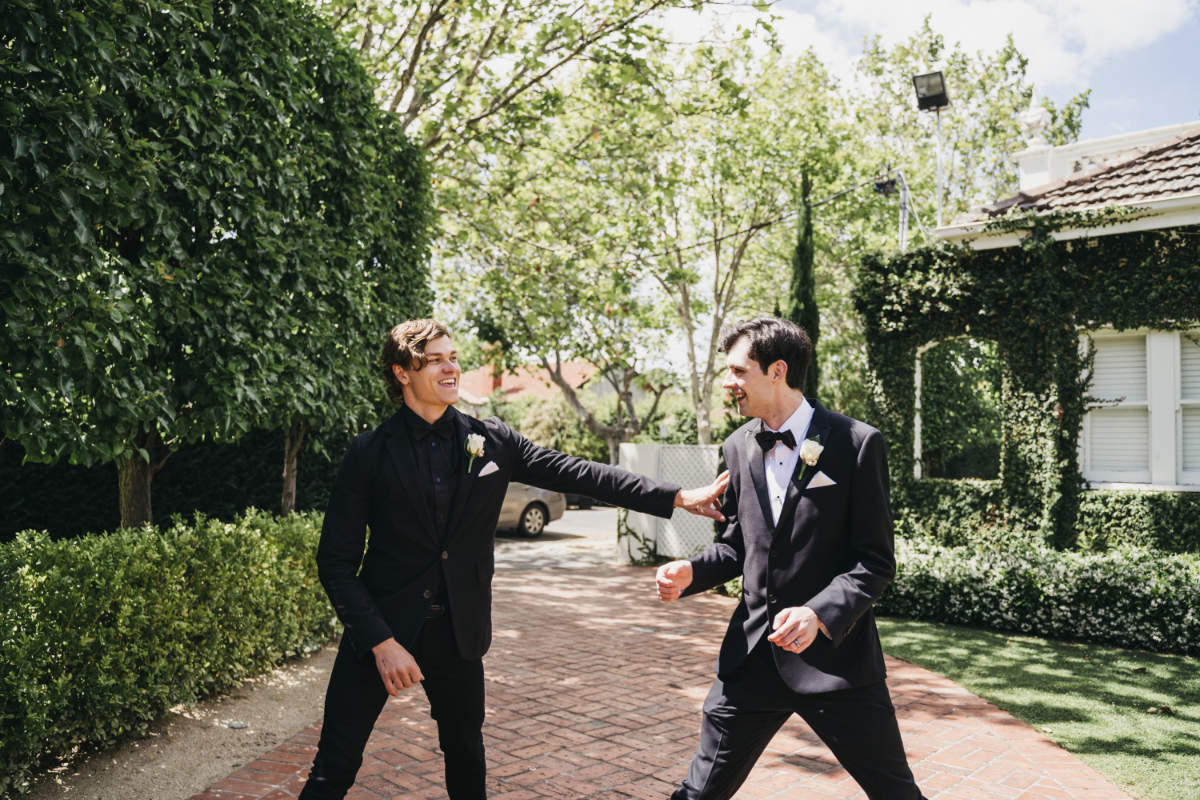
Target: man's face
435, 384
745, 380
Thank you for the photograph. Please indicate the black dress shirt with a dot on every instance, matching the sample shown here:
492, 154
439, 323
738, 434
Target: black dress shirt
438, 465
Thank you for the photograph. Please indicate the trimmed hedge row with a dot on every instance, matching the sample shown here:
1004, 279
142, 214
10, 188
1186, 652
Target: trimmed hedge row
216, 479
967, 511
1163, 520
102, 634
1129, 597
948, 511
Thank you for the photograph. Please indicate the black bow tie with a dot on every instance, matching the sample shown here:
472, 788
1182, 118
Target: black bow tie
767, 439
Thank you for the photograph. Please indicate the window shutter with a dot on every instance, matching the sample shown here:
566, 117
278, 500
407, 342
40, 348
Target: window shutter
1120, 369
1119, 440
1189, 390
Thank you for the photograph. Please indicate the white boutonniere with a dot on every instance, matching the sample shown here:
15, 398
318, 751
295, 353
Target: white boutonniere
474, 448
810, 453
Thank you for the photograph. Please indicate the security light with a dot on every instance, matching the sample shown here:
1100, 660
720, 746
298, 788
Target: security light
931, 91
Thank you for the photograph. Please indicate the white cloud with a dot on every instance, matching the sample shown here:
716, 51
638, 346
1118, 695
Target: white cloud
1065, 40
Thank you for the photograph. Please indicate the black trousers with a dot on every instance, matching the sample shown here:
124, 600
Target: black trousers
355, 697
743, 713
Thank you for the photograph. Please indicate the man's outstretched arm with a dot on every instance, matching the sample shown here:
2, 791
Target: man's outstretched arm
550, 469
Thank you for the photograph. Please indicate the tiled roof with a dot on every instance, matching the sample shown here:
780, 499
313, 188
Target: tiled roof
479, 383
1168, 170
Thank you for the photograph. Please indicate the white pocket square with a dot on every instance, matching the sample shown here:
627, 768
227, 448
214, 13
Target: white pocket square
821, 479
488, 469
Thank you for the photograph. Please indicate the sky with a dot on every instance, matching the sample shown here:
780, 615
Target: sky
1140, 59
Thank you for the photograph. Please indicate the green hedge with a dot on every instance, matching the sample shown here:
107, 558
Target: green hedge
215, 479
1130, 597
965, 511
102, 634
950, 512
1162, 520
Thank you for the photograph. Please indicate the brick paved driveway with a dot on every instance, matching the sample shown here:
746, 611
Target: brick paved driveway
594, 691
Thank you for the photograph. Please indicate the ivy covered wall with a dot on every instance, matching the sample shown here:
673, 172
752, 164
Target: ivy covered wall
1033, 301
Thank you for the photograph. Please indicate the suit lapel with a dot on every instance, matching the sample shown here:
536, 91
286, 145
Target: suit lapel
758, 472
400, 447
818, 428
463, 427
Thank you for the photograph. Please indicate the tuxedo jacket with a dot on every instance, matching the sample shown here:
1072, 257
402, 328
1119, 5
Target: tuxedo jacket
388, 591
831, 550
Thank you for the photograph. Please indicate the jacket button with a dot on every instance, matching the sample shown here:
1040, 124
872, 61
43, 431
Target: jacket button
772, 599
445, 555
428, 593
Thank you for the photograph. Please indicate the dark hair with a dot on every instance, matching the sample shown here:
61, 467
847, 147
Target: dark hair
405, 345
773, 339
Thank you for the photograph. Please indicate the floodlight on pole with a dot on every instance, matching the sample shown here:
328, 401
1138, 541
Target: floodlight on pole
932, 96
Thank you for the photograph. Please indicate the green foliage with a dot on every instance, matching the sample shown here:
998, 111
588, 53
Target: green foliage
216, 479
950, 512
802, 306
960, 410
1131, 597
551, 423
100, 635
1033, 301
202, 217
1167, 521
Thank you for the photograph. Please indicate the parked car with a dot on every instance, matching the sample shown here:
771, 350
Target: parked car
528, 509
579, 501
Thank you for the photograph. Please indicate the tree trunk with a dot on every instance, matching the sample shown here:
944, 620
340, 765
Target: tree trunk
134, 477
293, 437
614, 449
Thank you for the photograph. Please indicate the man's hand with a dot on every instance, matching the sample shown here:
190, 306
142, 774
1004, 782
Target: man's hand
703, 500
796, 628
397, 667
672, 578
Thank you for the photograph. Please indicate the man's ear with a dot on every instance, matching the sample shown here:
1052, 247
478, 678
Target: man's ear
778, 371
400, 374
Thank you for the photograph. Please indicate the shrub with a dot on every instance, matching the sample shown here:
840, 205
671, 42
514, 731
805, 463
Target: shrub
101, 634
1162, 520
1130, 597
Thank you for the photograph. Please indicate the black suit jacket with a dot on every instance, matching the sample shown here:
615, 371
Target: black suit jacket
831, 551
388, 591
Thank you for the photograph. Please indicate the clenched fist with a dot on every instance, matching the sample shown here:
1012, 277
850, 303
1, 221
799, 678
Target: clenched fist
672, 578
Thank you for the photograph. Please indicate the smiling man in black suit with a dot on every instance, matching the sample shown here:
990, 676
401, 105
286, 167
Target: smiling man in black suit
809, 529
429, 483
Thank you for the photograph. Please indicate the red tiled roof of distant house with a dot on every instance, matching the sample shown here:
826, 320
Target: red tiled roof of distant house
527, 381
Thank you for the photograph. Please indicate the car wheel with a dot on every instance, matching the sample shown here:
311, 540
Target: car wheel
533, 520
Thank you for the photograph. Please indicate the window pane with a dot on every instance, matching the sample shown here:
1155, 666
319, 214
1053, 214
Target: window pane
1119, 439
1191, 439
1189, 365
1120, 369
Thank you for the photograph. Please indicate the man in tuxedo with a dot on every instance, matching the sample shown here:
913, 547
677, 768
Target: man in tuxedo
429, 483
808, 527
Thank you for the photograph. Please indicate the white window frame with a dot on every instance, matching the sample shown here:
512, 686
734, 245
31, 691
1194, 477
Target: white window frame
1164, 404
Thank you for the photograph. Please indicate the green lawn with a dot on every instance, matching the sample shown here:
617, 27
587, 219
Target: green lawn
1132, 715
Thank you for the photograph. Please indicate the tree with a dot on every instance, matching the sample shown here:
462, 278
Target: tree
633, 219
172, 217
802, 295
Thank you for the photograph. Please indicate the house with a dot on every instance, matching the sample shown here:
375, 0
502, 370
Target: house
1086, 283
1143, 428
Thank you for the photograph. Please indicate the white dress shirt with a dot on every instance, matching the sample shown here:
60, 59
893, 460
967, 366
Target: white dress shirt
780, 460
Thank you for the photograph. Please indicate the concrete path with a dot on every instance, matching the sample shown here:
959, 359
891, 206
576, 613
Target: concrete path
594, 691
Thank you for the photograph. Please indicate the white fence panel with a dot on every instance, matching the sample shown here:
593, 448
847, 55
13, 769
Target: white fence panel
683, 534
